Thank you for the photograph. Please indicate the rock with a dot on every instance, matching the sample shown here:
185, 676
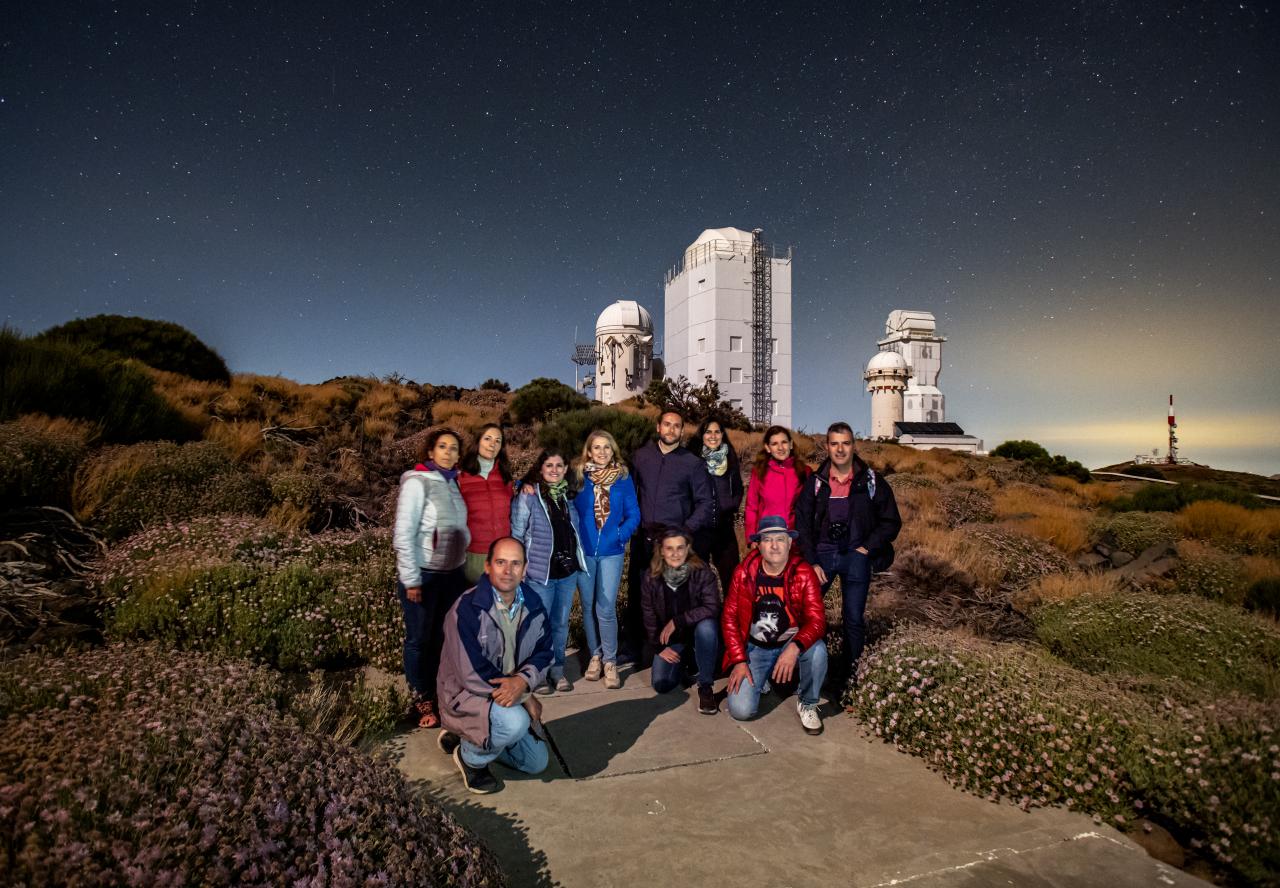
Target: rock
1103, 549
1159, 843
1091, 561
1120, 558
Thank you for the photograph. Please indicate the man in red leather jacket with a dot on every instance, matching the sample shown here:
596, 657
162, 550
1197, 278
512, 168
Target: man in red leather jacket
774, 623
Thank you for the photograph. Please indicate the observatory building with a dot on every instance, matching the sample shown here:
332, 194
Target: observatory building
906, 404
728, 317
624, 351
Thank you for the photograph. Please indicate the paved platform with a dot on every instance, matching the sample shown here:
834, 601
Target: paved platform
645, 790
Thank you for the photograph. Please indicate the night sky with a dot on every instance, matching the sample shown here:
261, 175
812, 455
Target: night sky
1087, 194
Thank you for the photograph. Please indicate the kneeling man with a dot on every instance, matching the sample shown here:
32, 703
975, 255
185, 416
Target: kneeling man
774, 624
497, 646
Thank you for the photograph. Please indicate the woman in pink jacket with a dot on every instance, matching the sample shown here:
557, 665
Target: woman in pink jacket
776, 479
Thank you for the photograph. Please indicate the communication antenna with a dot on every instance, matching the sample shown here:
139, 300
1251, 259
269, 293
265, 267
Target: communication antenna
584, 355
1172, 458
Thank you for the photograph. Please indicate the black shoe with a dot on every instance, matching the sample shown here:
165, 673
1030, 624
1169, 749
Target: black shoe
707, 700
478, 780
448, 742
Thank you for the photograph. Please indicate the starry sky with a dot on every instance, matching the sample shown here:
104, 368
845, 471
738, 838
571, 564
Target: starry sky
1087, 195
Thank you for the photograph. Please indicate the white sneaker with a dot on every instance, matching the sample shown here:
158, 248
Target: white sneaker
809, 718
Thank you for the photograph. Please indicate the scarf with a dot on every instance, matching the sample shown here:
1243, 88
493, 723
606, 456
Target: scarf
556, 491
602, 477
674, 576
717, 460
429, 466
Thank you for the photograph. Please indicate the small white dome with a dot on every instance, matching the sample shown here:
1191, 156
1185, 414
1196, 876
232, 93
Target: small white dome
887, 360
625, 314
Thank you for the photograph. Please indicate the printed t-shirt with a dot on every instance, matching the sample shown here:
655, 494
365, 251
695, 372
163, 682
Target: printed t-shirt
770, 623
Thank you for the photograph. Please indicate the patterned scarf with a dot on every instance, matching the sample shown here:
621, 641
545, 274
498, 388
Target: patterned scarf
674, 576
717, 460
556, 491
602, 477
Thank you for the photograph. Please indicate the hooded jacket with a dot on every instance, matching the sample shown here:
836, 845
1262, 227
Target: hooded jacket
802, 599
874, 521
431, 526
472, 655
531, 525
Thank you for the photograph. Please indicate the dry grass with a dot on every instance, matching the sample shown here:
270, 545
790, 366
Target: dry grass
57, 426
463, 418
111, 466
1261, 567
1212, 520
1063, 587
747, 444
918, 507
243, 440
1041, 513
289, 516
953, 547
1089, 495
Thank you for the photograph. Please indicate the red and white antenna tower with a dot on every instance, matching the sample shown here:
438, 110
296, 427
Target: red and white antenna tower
1172, 458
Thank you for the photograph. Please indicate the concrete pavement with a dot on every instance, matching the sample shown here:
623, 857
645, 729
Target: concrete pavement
645, 790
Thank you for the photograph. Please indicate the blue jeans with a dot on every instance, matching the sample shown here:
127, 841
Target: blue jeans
706, 645
509, 742
854, 570
812, 668
424, 627
557, 599
599, 596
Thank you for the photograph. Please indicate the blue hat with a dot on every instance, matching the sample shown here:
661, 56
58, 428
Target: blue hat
772, 524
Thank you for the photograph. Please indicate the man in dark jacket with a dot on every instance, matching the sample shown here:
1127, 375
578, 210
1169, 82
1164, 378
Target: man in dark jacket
681, 604
774, 626
674, 490
846, 515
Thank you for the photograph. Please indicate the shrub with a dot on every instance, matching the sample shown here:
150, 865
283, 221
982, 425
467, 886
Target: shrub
293, 600
1210, 573
159, 344
139, 765
38, 459
1172, 497
1165, 636
542, 397
1064, 587
1232, 526
1011, 558
1145, 471
62, 379
123, 489
1263, 596
694, 403
1021, 450
961, 504
1003, 720
569, 430
1135, 531
495, 385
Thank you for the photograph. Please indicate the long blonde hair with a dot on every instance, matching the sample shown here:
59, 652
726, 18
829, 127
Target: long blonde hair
585, 457
657, 563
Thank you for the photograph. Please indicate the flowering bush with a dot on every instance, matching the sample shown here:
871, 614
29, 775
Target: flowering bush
142, 766
1135, 531
961, 504
240, 586
123, 489
1012, 558
1202, 642
1210, 573
1007, 721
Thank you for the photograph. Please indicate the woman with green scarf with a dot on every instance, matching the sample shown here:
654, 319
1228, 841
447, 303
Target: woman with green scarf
544, 519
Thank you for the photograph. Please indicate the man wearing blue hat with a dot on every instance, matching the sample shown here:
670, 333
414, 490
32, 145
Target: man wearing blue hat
773, 624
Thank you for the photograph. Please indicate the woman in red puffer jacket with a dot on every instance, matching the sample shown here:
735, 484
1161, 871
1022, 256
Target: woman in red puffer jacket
776, 479
485, 482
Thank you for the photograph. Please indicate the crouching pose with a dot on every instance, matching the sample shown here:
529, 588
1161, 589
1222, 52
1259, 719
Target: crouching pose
681, 602
774, 623
497, 647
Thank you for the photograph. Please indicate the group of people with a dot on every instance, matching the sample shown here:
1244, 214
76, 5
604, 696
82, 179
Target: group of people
488, 566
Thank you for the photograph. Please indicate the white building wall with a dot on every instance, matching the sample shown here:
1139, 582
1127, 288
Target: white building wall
708, 327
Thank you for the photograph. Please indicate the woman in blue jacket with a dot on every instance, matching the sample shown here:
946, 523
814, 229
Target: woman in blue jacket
608, 514
544, 519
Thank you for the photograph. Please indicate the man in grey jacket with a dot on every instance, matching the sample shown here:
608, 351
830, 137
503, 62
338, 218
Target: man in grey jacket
497, 647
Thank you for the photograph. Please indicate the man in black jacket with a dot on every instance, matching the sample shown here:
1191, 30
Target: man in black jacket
846, 515
674, 490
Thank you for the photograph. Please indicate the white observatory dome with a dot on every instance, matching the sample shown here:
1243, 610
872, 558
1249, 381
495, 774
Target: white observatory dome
887, 360
625, 315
